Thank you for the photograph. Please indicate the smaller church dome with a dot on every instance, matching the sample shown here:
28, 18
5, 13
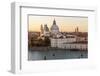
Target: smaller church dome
46, 28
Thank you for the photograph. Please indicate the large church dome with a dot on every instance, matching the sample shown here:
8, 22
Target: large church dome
54, 27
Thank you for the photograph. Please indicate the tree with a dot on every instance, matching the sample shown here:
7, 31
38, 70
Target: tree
47, 41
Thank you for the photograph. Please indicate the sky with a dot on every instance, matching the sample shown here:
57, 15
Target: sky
65, 24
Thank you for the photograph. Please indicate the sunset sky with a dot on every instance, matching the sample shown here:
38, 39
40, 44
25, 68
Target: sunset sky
65, 24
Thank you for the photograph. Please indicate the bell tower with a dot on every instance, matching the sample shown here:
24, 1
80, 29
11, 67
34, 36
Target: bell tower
42, 29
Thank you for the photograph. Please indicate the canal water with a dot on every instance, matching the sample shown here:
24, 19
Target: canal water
56, 54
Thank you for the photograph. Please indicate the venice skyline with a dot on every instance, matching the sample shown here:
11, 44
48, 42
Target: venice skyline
65, 24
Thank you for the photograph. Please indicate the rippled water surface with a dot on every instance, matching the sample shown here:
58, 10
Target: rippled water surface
56, 54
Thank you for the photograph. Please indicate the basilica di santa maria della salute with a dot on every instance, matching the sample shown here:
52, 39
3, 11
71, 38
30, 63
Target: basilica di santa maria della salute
52, 32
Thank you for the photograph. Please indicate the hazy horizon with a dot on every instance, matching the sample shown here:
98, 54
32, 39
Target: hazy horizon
65, 24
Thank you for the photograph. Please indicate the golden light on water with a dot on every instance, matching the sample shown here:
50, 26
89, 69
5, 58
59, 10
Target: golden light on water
65, 24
